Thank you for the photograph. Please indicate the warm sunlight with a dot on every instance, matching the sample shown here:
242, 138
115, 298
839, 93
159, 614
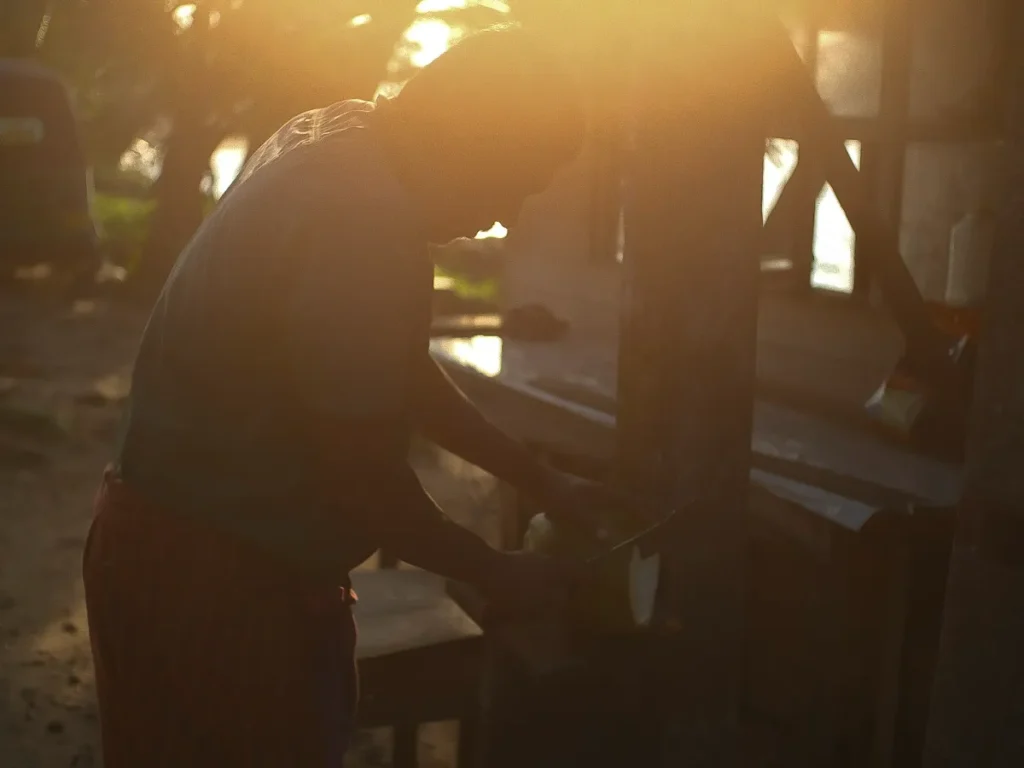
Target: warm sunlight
143, 158
849, 72
778, 167
184, 15
481, 353
227, 162
225, 219
833, 238
833, 235
430, 38
438, 6
496, 231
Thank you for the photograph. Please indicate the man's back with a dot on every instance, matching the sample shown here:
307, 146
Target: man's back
217, 427
279, 378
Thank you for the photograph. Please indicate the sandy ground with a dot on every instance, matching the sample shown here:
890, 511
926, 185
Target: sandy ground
63, 374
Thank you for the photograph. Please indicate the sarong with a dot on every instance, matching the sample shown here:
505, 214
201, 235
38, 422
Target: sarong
207, 651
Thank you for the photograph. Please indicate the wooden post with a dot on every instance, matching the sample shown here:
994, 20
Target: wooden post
806, 186
687, 359
977, 717
883, 160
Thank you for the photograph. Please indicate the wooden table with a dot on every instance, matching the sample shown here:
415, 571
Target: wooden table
849, 537
564, 393
419, 656
403, 610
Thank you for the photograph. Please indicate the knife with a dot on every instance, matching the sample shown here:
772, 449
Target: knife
646, 541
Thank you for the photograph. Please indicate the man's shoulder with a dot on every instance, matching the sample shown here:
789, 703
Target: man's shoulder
308, 128
329, 162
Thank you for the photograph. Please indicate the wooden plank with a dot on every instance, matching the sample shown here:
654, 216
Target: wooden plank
468, 747
427, 684
687, 369
786, 442
965, 129
419, 653
403, 610
883, 160
977, 715
796, 660
405, 745
813, 344
897, 286
466, 326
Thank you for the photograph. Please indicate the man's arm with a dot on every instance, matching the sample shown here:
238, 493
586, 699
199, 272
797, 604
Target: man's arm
448, 418
349, 330
378, 491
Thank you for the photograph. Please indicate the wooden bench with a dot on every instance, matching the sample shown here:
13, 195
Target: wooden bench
419, 657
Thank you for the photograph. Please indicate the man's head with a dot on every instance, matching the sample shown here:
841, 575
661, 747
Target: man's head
482, 128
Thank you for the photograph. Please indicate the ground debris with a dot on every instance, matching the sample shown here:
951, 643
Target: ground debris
29, 421
29, 696
83, 758
52, 451
19, 456
76, 542
105, 391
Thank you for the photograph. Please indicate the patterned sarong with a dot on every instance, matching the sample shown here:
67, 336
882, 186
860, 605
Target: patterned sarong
208, 653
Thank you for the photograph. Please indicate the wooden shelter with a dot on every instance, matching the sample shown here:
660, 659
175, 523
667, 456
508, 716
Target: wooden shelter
811, 591
803, 611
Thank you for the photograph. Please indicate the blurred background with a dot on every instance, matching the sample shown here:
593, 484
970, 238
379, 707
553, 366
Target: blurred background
122, 122
170, 98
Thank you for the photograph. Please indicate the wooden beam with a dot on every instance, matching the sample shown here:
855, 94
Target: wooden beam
883, 158
790, 223
977, 716
605, 200
928, 349
806, 186
970, 128
687, 356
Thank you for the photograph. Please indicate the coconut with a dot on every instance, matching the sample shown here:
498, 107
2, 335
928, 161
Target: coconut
540, 536
619, 595
644, 573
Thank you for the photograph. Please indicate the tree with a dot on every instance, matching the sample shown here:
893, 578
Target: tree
212, 68
245, 69
205, 70
22, 25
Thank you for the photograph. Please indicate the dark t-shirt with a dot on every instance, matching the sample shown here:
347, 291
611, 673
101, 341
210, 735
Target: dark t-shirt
303, 299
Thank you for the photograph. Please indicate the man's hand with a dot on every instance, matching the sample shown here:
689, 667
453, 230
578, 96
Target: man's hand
581, 504
591, 507
523, 585
606, 513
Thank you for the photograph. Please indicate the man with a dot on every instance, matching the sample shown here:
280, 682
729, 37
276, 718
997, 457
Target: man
279, 379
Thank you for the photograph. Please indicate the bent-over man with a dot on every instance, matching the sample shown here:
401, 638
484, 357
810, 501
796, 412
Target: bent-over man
279, 380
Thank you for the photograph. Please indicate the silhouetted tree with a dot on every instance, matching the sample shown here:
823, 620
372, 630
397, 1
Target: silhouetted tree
22, 24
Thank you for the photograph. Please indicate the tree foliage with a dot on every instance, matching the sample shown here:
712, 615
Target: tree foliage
198, 72
203, 71
20, 24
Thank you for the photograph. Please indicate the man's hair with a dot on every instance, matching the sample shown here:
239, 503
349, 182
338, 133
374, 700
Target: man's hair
500, 85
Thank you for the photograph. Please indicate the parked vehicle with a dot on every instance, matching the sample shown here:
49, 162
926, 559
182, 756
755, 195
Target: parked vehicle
45, 181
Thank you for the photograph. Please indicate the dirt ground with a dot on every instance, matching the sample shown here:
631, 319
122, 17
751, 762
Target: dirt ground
64, 371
